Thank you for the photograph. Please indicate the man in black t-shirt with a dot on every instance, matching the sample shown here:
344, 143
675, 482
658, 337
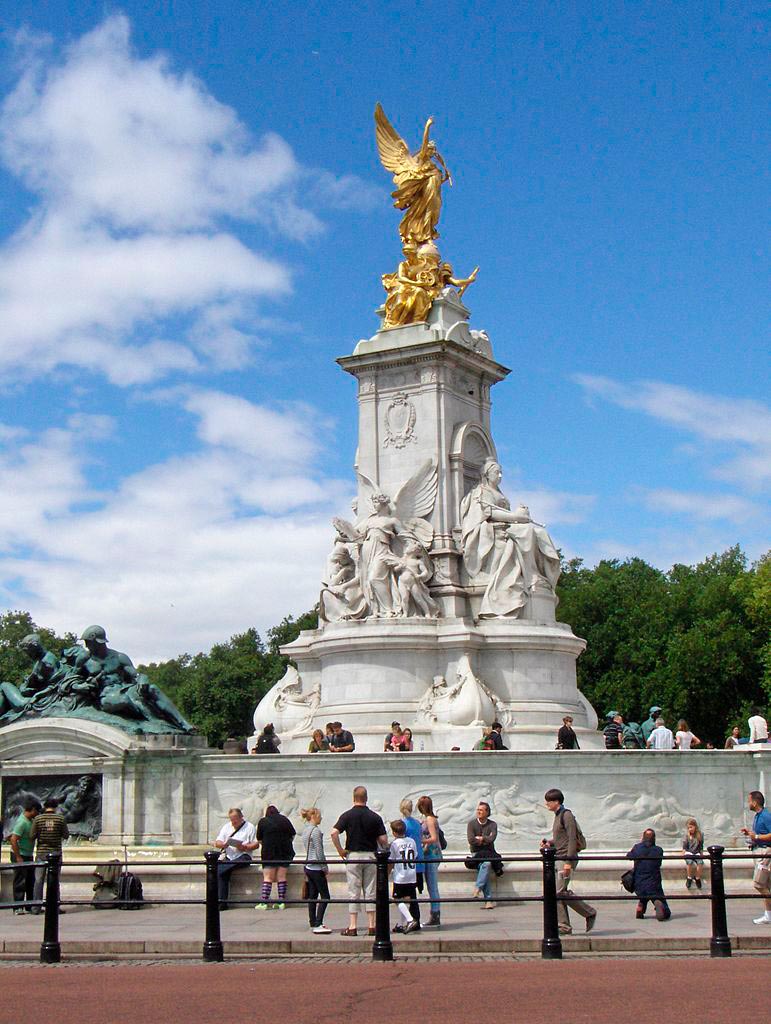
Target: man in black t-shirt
341, 741
364, 833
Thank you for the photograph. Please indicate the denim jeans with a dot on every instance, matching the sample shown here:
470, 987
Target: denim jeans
431, 872
483, 880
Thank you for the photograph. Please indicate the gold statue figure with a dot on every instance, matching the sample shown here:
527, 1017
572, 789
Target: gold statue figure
418, 177
420, 277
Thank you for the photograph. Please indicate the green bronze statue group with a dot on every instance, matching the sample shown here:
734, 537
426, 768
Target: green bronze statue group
89, 680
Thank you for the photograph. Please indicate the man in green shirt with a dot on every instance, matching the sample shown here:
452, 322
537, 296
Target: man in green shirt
23, 847
49, 829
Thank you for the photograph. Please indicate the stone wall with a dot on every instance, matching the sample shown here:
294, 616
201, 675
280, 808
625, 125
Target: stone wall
167, 791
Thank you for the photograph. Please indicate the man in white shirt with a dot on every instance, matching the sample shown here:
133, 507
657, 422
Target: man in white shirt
661, 738
403, 856
237, 838
758, 727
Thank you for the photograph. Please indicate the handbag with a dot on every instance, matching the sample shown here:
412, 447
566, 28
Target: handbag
304, 889
627, 880
471, 863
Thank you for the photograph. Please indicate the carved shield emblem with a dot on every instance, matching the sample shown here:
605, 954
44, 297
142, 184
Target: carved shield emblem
399, 422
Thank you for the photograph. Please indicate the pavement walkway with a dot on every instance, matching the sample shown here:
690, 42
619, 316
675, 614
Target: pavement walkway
466, 928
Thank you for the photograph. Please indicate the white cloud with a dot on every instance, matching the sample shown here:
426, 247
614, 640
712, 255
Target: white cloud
740, 428
730, 507
182, 553
289, 438
138, 175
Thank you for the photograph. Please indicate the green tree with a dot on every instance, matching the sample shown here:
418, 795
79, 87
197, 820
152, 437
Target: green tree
290, 628
695, 639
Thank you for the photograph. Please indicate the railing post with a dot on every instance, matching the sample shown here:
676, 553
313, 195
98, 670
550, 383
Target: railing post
551, 945
212, 947
382, 948
50, 949
720, 943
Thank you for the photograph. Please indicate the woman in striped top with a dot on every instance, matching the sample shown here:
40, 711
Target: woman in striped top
315, 871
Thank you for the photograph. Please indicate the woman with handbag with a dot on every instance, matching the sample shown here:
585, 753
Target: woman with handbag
481, 832
430, 835
315, 886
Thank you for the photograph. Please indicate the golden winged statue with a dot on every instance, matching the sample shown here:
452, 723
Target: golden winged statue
418, 178
421, 276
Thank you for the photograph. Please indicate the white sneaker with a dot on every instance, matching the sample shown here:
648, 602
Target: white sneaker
765, 919
322, 930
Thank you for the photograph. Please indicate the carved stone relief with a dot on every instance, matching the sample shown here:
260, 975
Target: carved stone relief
467, 701
287, 706
399, 424
79, 796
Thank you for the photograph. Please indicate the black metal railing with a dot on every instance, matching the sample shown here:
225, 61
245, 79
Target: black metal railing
382, 948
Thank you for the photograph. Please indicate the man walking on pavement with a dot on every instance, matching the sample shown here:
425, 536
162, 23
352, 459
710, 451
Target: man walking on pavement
567, 840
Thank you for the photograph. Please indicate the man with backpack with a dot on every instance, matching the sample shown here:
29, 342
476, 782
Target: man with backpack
568, 841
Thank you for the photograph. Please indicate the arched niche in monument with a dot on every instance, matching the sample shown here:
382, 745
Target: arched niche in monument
471, 446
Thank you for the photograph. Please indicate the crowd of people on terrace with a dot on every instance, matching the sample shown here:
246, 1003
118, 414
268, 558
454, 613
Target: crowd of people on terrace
652, 734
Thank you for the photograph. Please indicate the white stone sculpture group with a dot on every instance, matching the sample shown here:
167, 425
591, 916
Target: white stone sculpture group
504, 550
381, 567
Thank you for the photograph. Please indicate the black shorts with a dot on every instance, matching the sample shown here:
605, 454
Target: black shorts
405, 891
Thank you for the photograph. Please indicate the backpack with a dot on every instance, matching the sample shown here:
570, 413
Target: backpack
129, 892
633, 738
580, 837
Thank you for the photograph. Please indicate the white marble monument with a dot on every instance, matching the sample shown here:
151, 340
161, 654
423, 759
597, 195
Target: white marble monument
437, 608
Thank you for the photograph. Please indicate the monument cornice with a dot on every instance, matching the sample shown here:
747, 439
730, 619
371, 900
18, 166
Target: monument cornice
423, 352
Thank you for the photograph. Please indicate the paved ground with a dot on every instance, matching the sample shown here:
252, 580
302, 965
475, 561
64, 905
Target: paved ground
466, 928
544, 992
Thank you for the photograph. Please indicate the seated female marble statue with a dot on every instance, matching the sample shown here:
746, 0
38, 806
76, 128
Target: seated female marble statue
504, 550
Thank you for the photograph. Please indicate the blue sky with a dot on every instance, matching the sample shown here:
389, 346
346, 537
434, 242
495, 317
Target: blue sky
194, 222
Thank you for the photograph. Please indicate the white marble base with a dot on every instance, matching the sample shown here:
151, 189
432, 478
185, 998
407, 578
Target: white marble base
372, 672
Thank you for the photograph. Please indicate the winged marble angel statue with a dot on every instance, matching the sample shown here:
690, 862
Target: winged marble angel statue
392, 541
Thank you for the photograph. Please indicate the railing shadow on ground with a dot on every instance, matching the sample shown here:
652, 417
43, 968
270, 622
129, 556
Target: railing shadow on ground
382, 948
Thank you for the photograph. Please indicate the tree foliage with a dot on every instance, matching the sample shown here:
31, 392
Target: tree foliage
694, 640
219, 690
